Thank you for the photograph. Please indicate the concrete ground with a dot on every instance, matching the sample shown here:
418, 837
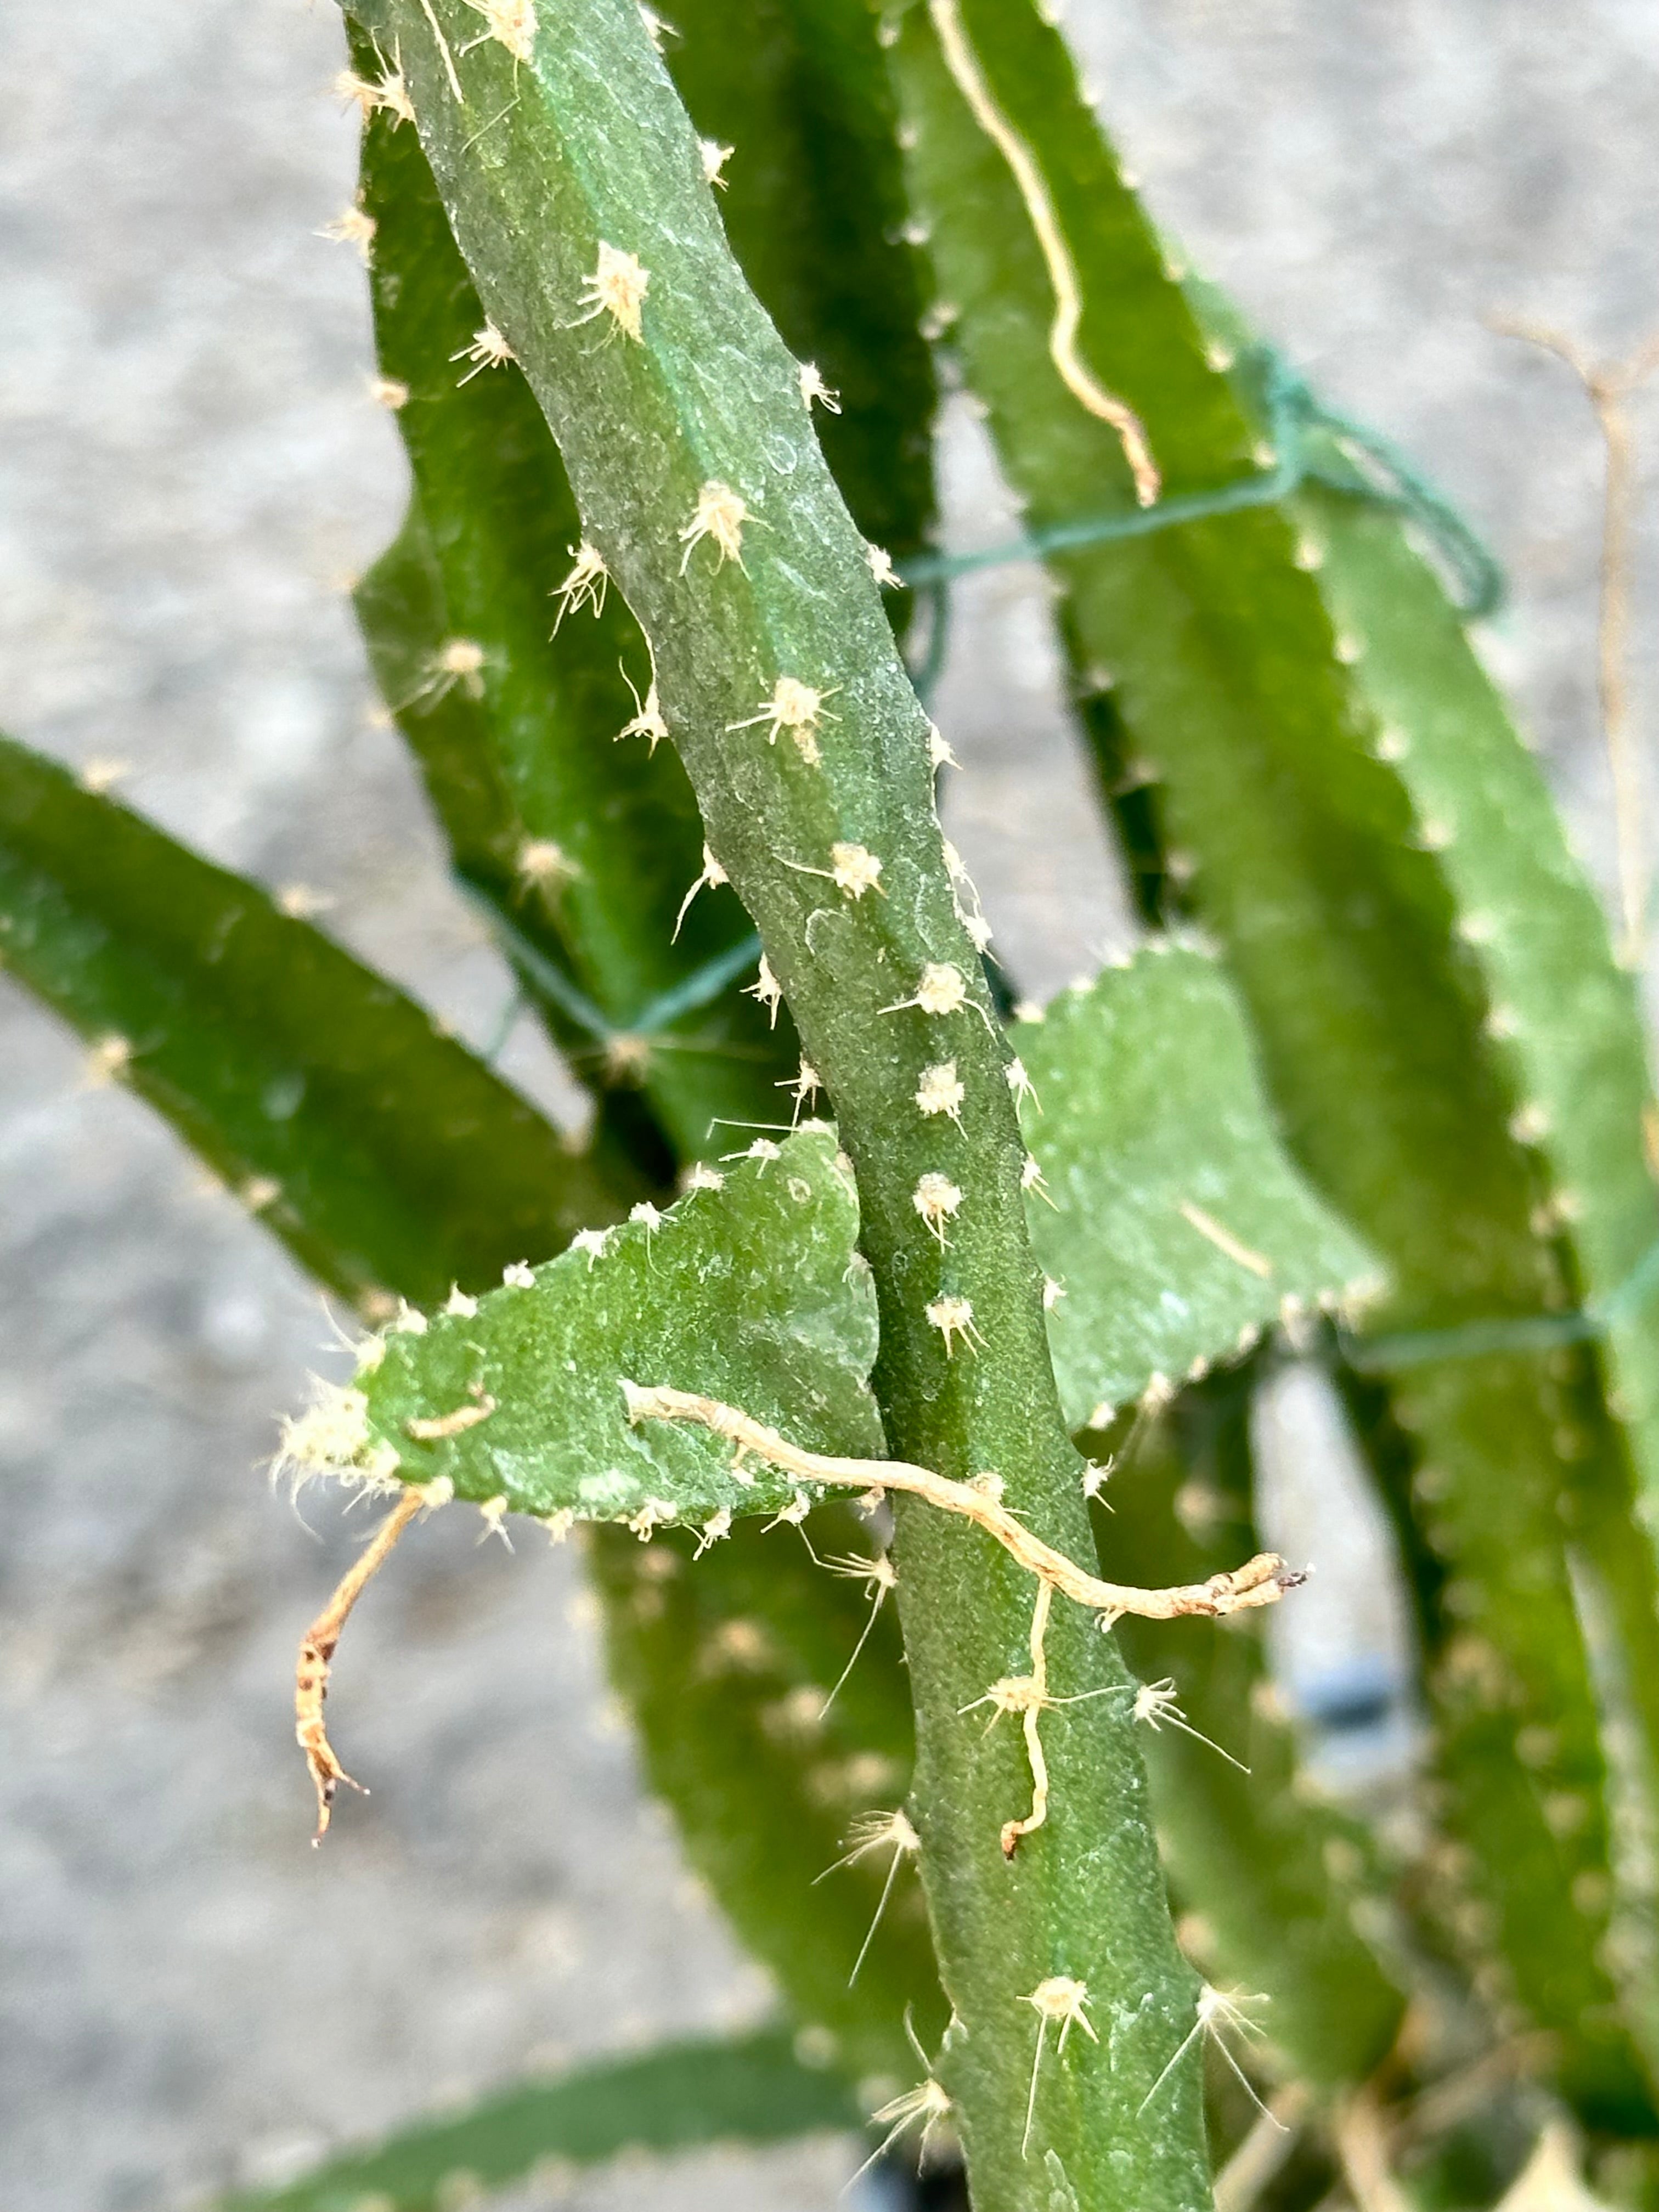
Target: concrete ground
189, 470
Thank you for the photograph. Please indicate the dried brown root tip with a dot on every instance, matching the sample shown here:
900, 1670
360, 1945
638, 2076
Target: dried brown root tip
1260, 1581
1036, 1818
326, 1775
317, 1649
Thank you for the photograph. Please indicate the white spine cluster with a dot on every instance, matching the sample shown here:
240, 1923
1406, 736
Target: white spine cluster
648, 721
617, 288
938, 1201
796, 706
943, 989
511, 23
488, 350
953, 1317
767, 988
940, 1090
584, 584
813, 387
713, 874
719, 516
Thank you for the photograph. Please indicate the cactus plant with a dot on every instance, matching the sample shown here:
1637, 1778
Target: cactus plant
989, 1329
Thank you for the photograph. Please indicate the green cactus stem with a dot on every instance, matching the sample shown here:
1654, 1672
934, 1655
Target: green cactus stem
1309, 860
576, 191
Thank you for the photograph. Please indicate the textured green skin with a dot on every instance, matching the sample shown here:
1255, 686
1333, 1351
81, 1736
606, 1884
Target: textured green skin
753, 1295
494, 525
1340, 933
1275, 1873
1533, 925
586, 143
1148, 1092
813, 206
276, 1055
1147, 1095
751, 2090
766, 1796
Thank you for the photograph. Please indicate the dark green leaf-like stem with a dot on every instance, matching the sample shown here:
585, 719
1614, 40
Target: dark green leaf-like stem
385, 1155
751, 2090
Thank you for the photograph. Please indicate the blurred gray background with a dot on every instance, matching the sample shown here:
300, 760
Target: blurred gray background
190, 472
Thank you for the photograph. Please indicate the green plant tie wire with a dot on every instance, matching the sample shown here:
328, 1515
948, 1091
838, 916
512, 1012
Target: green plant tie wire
1310, 442
1473, 1339
544, 974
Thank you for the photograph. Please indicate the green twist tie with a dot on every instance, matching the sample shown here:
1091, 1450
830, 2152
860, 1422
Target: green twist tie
1475, 1340
1311, 442
538, 968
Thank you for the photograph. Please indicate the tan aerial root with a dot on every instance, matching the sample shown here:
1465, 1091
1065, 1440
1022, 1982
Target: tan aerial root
317, 1649
1083, 386
1260, 1581
478, 1408
1013, 1830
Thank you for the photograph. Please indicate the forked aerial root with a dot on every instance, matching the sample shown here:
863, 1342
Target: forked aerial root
317, 1649
1260, 1581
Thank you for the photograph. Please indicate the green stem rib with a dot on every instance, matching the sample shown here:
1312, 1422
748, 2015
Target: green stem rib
1288, 1888
553, 163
